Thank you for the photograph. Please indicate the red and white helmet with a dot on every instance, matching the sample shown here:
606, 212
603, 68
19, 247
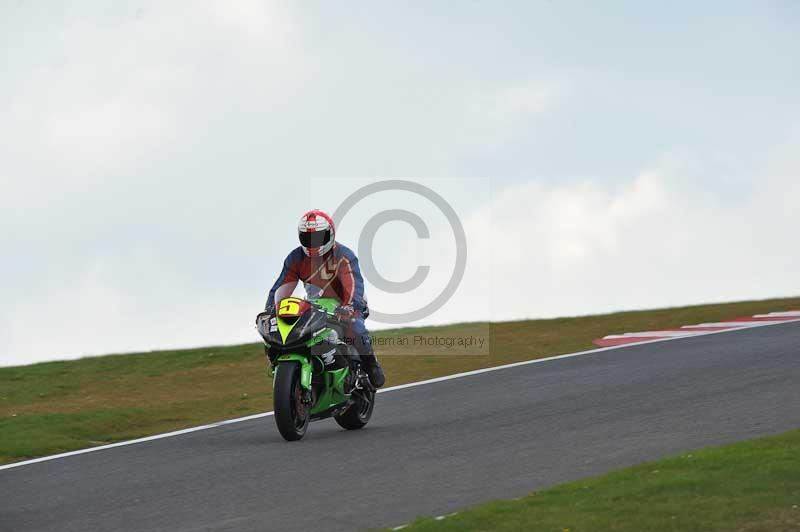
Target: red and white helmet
317, 233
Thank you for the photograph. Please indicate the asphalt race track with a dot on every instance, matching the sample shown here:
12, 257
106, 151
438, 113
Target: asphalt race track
430, 449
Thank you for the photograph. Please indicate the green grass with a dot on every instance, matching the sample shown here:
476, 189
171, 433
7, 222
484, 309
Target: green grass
749, 486
61, 406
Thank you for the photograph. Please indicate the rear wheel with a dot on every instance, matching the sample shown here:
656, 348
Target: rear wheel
359, 412
291, 415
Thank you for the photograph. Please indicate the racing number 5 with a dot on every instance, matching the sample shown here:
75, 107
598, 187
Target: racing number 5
289, 307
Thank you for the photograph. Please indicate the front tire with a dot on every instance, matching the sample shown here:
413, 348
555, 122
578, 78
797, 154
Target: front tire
291, 415
359, 413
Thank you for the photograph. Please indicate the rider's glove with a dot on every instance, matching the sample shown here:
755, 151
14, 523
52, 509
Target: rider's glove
345, 312
270, 310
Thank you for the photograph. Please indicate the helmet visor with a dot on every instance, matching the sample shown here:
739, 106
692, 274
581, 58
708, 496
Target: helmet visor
315, 239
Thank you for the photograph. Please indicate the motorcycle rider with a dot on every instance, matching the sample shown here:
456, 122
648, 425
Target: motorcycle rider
323, 262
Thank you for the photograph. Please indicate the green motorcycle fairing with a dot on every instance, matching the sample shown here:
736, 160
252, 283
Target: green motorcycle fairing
306, 369
332, 392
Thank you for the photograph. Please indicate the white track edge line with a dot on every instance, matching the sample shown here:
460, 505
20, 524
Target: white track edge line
382, 390
137, 440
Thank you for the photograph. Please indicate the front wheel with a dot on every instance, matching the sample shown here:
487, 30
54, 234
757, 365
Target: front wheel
291, 415
359, 412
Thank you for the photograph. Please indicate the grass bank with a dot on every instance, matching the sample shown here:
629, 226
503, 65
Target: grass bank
60, 406
746, 487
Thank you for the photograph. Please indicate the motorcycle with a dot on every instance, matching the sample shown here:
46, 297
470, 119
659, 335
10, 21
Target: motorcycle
316, 373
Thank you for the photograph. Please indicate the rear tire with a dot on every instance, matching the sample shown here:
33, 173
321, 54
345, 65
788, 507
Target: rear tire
359, 413
291, 416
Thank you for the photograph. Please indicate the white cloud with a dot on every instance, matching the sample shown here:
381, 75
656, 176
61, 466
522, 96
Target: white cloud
527, 98
106, 114
155, 158
496, 112
106, 132
107, 86
516, 102
547, 249
101, 312
264, 26
668, 236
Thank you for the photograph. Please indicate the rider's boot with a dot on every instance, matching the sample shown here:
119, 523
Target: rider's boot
373, 368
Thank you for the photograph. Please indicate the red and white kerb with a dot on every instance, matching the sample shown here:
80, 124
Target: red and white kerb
771, 318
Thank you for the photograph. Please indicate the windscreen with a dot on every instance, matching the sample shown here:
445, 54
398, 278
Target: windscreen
304, 291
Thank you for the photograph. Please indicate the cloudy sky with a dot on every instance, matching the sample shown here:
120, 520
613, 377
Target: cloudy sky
155, 157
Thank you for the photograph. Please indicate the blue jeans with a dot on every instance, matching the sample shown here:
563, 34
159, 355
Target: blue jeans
359, 335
